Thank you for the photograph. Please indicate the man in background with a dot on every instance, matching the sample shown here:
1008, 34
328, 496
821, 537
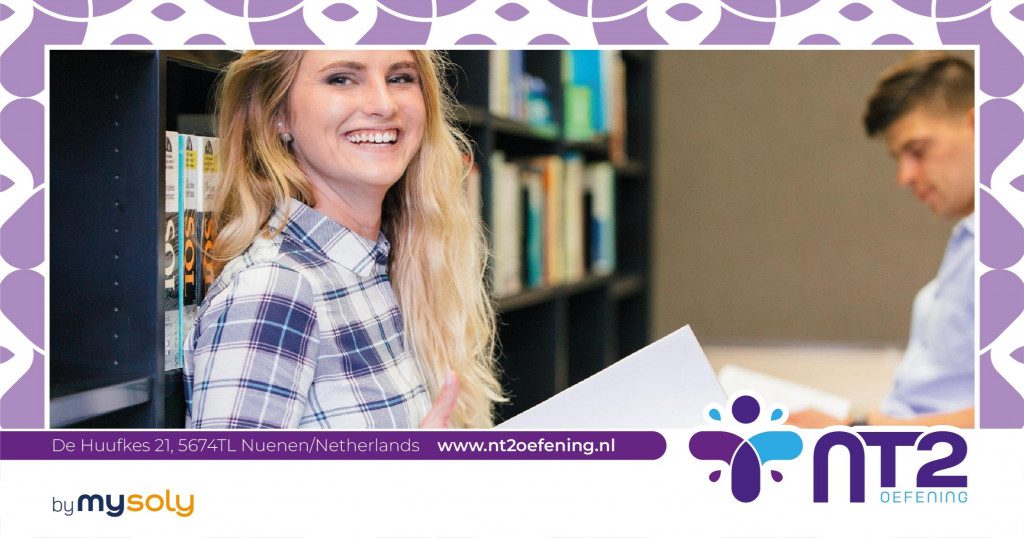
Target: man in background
924, 109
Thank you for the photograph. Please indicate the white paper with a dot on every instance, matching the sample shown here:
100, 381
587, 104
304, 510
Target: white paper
773, 390
664, 385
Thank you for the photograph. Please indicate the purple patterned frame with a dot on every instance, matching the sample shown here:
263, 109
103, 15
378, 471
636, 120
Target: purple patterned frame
585, 23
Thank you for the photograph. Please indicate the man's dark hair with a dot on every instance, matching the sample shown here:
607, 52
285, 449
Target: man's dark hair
926, 78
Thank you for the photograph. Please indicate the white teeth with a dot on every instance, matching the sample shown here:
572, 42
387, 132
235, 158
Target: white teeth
375, 138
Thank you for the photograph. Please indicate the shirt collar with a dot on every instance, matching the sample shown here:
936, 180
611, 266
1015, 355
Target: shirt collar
965, 224
318, 232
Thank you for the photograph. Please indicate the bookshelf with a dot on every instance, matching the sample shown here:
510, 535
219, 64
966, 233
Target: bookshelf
109, 111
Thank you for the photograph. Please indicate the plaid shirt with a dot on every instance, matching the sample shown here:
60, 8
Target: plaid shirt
303, 331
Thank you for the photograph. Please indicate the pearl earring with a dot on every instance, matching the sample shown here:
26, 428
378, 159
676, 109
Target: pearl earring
286, 138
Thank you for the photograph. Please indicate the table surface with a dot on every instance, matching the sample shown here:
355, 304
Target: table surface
861, 374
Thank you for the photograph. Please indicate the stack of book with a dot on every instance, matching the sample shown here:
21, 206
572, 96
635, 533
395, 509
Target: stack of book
552, 221
594, 98
192, 171
516, 94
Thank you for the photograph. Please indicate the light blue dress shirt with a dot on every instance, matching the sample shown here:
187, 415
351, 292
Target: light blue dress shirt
937, 371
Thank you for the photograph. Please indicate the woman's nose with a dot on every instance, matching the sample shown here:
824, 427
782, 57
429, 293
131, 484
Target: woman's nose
377, 100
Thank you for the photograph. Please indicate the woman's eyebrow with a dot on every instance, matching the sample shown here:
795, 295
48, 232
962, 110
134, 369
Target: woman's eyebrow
355, 66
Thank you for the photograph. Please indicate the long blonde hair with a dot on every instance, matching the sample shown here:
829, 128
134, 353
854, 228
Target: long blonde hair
438, 248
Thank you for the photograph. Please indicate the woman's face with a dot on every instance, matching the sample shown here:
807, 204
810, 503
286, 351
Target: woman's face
356, 117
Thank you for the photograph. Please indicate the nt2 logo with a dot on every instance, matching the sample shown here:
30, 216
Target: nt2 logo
745, 456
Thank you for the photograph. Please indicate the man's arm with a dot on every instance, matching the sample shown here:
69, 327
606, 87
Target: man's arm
963, 418
811, 418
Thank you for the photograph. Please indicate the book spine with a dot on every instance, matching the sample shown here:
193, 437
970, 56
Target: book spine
498, 82
170, 265
516, 83
187, 238
617, 109
554, 218
578, 123
209, 177
534, 228
601, 182
575, 268
501, 235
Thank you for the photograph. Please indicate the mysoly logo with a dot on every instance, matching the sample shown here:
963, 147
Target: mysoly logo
746, 456
114, 505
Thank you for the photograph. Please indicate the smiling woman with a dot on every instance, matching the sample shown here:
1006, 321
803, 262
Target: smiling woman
352, 291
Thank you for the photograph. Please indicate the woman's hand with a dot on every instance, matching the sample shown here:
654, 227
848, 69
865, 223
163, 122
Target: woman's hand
440, 415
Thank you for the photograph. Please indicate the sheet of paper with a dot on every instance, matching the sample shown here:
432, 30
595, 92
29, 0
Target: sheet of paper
777, 390
664, 385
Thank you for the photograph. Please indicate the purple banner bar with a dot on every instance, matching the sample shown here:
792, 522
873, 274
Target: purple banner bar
329, 445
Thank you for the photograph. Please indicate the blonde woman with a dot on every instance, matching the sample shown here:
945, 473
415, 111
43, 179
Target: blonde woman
352, 294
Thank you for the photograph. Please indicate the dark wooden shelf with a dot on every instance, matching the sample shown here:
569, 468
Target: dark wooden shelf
83, 405
477, 117
631, 169
472, 116
534, 296
625, 286
595, 149
518, 129
211, 60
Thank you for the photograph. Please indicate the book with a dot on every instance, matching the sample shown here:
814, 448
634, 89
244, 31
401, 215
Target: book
506, 228
600, 189
572, 223
584, 69
517, 89
172, 338
534, 226
578, 122
616, 107
552, 169
188, 172
207, 178
188, 240
498, 82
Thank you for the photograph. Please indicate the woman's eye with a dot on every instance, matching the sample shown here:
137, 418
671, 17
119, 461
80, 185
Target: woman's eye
340, 79
404, 78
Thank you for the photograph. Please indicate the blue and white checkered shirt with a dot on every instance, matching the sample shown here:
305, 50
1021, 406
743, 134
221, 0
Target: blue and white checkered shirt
303, 331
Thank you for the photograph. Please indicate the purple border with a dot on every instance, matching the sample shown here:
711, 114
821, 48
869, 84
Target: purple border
410, 22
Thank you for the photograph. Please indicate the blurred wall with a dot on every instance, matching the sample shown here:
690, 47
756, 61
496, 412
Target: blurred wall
775, 218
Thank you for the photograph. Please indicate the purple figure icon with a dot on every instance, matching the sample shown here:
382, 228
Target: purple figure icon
745, 457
